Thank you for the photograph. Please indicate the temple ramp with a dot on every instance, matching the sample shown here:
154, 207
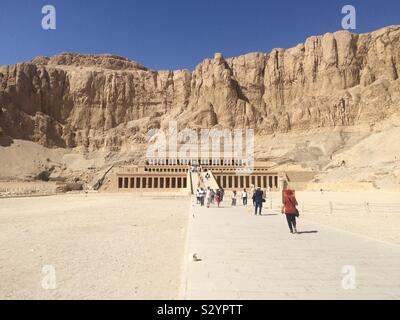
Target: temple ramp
196, 181
211, 181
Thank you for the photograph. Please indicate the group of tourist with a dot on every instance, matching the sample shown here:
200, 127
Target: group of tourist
209, 196
244, 197
289, 206
258, 198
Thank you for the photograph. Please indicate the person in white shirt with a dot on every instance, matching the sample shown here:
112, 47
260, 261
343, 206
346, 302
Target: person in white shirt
244, 197
198, 196
234, 198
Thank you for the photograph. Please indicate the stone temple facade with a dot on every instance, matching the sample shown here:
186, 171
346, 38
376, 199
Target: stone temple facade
187, 176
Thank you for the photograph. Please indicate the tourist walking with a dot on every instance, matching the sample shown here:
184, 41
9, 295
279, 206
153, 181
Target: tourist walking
202, 195
290, 210
244, 197
234, 196
198, 196
258, 198
253, 192
218, 197
208, 197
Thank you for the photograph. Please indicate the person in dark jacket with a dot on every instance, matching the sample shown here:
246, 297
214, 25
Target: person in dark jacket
258, 200
290, 210
222, 191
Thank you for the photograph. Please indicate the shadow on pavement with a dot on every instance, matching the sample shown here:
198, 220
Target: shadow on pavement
301, 232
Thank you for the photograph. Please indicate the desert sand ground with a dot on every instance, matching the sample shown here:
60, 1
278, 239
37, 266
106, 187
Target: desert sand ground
24, 188
126, 246
374, 214
101, 246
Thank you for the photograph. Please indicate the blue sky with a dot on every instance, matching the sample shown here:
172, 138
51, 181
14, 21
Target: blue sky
176, 34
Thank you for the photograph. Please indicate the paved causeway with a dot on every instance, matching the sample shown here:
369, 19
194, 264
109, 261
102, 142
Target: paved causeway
255, 257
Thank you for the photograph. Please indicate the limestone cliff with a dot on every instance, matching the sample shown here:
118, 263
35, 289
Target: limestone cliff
105, 102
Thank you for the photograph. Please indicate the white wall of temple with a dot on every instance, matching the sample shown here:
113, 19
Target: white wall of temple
177, 177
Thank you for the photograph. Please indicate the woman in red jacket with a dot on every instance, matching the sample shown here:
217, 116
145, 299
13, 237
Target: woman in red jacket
290, 210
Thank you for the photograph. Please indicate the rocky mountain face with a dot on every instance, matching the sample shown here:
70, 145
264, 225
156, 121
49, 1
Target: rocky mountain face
105, 102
